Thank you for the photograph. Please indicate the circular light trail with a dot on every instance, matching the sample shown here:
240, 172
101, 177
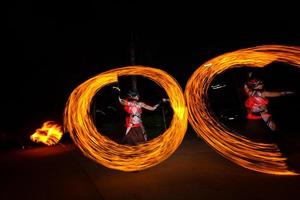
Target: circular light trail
261, 157
79, 123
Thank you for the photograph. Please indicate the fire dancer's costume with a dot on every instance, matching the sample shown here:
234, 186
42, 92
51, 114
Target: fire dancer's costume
135, 132
256, 103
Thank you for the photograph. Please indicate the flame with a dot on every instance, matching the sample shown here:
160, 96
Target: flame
49, 134
261, 157
78, 121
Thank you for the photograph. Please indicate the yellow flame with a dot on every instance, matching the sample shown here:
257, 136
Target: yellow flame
78, 121
256, 156
49, 134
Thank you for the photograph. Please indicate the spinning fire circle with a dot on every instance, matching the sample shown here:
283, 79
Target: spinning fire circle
261, 157
78, 122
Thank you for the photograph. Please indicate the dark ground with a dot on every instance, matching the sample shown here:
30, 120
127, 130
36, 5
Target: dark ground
194, 171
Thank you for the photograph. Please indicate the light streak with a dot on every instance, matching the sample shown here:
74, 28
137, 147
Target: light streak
261, 157
79, 123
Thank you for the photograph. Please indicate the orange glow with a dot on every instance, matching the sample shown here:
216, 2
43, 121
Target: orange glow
49, 134
259, 157
78, 121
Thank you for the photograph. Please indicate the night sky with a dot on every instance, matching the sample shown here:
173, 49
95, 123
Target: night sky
49, 47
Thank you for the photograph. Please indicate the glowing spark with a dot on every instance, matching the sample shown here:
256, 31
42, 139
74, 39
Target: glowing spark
49, 134
78, 121
259, 157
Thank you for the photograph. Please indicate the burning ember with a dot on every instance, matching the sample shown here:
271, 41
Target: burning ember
49, 134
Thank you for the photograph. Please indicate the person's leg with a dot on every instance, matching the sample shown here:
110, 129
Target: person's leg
269, 121
129, 138
135, 136
144, 133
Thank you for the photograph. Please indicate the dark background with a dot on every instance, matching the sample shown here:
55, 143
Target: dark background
50, 47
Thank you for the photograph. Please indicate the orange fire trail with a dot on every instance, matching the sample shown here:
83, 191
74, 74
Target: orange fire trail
259, 157
49, 134
78, 121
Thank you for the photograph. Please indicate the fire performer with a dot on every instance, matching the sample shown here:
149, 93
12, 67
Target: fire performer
257, 101
135, 132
